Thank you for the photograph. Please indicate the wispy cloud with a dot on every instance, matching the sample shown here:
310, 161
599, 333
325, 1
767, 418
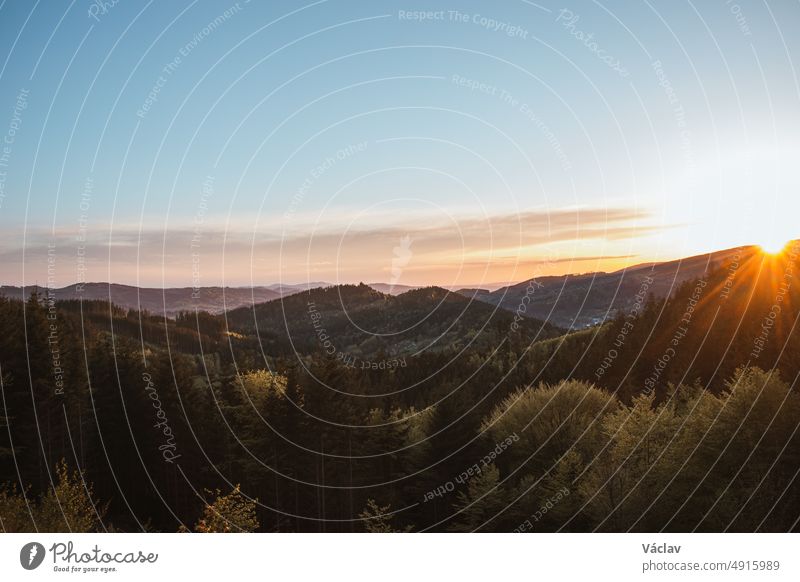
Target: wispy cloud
466, 248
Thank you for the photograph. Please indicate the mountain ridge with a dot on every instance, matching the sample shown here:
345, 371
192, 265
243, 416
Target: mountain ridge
570, 301
578, 301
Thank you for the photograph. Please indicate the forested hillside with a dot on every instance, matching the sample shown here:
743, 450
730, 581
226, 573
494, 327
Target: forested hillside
418, 412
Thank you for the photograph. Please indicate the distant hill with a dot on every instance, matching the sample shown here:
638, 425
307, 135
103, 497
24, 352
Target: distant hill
289, 288
580, 301
173, 300
362, 322
390, 289
167, 302
573, 301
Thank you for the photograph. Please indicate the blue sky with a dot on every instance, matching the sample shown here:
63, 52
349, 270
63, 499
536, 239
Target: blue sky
500, 138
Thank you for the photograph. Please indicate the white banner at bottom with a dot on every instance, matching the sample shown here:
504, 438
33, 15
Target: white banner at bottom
400, 557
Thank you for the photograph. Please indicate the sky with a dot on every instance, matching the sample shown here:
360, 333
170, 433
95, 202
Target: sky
439, 142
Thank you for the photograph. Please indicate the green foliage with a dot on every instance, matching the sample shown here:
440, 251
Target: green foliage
622, 478
695, 460
481, 503
66, 507
233, 512
708, 446
69, 505
378, 519
15, 511
550, 420
343, 313
261, 385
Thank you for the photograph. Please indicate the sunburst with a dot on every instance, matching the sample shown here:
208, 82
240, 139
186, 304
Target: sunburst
773, 246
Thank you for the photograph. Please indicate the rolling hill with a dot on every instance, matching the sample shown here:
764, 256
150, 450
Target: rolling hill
362, 322
173, 300
581, 300
167, 302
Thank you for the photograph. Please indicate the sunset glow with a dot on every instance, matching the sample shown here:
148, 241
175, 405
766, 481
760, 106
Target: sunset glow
773, 246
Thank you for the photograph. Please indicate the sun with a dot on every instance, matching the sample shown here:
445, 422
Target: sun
773, 246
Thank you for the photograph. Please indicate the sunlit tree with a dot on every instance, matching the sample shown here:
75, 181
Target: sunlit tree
233, 512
